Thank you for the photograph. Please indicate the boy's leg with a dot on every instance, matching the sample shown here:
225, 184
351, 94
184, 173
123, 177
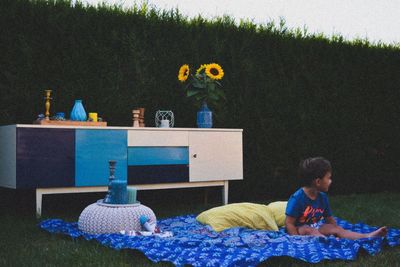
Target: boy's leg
307, 230
332, 229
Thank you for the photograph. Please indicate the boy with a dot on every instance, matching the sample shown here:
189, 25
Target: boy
309, 205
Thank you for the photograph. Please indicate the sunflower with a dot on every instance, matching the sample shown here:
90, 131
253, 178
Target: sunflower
214, 71
183, 73
202, 67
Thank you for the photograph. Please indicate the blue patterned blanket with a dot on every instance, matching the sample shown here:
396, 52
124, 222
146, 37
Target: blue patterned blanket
197, 244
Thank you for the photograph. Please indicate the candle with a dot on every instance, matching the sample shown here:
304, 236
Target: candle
93, 116
132, 191
164, 124
119, 193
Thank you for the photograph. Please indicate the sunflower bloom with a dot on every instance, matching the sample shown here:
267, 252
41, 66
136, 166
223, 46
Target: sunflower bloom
214, 71
202, 67
183, 73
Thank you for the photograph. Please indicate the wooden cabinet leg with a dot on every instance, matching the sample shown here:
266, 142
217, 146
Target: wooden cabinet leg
225, 190
38, 203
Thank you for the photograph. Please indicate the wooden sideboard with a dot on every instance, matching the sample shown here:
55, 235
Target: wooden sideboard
71, 159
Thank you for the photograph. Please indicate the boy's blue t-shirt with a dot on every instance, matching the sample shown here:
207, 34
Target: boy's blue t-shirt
306, 210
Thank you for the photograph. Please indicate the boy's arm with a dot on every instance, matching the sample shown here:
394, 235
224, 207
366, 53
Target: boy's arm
291, 229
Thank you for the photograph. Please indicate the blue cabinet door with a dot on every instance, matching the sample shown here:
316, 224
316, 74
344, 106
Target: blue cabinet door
93, 150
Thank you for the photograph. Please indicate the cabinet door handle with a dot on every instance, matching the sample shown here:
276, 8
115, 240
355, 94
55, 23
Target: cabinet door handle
194, 155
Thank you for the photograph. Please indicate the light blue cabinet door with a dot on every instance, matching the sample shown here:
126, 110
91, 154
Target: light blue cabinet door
93, 150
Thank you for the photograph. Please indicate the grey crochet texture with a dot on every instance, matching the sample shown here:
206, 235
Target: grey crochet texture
98, 218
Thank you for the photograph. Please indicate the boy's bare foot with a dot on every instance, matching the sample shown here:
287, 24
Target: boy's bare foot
378, 233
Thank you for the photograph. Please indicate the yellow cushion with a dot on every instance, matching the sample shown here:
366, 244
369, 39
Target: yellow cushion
278, 209
254, 216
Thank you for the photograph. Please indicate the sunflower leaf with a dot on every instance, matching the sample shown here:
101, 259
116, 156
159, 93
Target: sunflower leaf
211, 86
198, 84
192, 92
214, 97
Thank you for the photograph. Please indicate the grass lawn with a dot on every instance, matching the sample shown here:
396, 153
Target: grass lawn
22, 243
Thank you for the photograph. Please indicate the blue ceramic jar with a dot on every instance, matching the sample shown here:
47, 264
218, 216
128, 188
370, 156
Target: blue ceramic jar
204, 117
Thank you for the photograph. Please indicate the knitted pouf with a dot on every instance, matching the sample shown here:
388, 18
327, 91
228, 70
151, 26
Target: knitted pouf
100, 218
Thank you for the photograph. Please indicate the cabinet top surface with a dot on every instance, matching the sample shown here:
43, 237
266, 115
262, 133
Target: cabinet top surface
124, 128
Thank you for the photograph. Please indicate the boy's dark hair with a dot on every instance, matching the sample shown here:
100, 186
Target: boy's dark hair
313, 168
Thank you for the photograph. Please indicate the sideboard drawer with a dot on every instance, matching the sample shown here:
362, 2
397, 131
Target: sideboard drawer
158, 138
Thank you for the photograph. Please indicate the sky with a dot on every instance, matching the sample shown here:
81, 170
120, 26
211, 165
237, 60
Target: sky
374, 20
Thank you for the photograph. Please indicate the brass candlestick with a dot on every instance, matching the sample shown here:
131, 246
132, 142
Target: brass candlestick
47, 105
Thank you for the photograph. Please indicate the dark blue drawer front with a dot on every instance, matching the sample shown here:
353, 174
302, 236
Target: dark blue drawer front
45, 158
153, 174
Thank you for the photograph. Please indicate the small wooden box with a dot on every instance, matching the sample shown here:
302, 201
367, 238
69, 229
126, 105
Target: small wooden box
68, 122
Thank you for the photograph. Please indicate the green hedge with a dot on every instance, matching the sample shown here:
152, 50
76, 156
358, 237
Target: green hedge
295, 95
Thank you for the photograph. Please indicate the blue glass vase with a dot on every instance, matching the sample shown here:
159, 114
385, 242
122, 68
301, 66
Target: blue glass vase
204, 117
78, 113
